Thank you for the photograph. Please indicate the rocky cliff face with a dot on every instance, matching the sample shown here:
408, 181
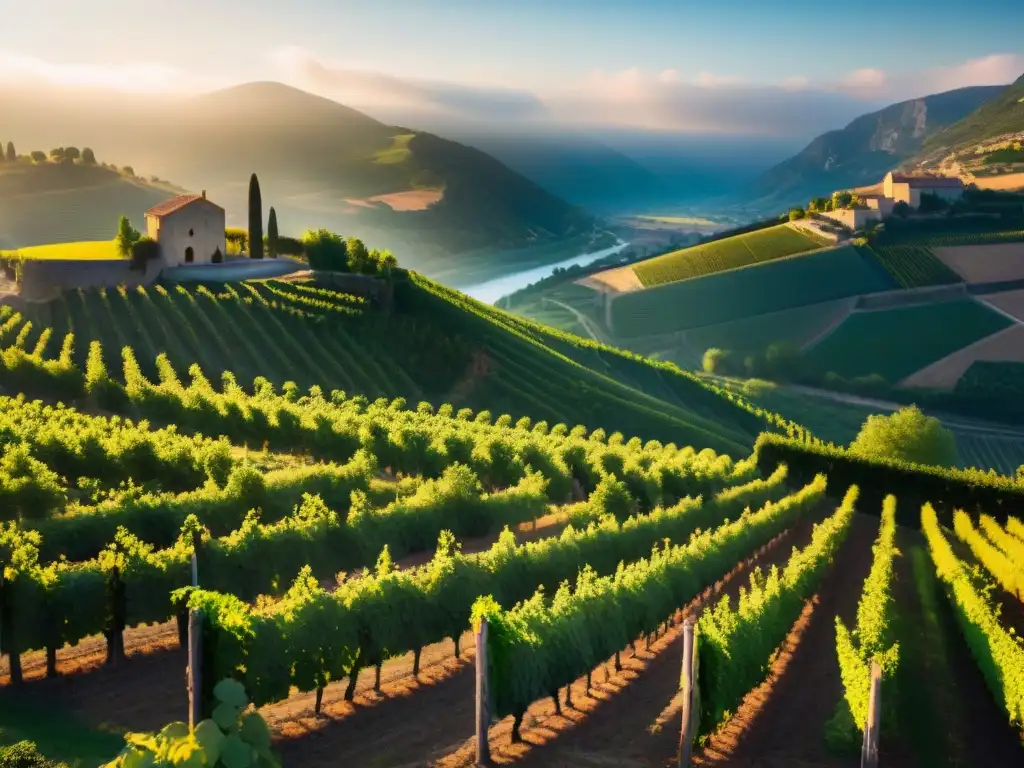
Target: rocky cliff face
868, 147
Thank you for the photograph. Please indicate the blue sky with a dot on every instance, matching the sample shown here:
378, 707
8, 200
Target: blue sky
625, 51
534, 44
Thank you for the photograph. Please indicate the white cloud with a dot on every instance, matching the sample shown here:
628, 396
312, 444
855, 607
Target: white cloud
866, 79
795, 83
995, 69
711, 80
133, 77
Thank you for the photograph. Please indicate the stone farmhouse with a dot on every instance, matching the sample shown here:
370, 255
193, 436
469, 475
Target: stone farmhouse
880, 199
190, 230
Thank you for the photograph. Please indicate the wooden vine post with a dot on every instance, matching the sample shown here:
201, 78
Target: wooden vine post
688, 683
483, 697
193, 671
869, 750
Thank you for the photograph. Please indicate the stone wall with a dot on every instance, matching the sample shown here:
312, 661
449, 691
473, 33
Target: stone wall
44, 279
381, 292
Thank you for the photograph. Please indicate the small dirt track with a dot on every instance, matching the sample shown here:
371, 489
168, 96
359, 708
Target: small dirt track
782, 722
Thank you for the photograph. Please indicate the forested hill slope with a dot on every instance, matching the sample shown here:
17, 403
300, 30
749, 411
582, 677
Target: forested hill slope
863, 151
436, 345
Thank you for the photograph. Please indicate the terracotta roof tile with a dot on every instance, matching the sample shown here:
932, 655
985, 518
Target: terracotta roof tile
168, 207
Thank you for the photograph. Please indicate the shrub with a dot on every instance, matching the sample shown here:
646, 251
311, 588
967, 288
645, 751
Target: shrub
796, 213
909, 435
24, 754
144, 250
325, 250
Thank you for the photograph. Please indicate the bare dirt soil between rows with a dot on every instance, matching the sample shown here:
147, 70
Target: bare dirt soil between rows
782, 722
948, 718
630, 717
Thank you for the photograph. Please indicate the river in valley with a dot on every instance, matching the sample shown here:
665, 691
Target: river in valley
492, 290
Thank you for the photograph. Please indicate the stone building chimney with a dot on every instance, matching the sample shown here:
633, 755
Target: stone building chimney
204, 194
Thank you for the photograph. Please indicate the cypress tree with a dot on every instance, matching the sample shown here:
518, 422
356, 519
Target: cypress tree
272, 233
11, 154
255, 219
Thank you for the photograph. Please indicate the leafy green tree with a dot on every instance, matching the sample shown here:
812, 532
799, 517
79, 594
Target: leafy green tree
909, 435
11, 154
128, 170
38, 156
57, 154
325, 250
290, 246
358, 257
255, 219
126, 237
796, 213
720, 361
841, 200
272, 236
901, 209
385, 261
71, 153
237, 239
88, 156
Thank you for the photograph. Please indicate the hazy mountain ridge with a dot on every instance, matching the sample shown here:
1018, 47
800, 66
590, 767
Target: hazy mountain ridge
319, 162
1003, 113
869, 146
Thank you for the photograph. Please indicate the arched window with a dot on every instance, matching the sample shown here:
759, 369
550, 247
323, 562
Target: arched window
189, 255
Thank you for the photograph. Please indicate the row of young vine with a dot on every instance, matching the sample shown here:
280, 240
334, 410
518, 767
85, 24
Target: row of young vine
539, 645
997, 651
736, 643
873, 639
128, 581
314, 636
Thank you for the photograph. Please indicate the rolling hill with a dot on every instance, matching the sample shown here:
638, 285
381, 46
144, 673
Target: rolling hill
868, 147
54, 203
320, 164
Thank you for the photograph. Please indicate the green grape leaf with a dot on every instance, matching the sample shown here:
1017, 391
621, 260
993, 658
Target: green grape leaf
225, 715
231, 691
187, 754
143, 741
254, 731
177, 730
211, 739
235, 753
137, 759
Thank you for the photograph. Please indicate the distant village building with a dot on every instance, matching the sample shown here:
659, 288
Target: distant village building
879, 200
908, 189
189, 228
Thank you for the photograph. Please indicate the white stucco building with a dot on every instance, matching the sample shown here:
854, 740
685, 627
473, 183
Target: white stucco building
908, 189
189, 228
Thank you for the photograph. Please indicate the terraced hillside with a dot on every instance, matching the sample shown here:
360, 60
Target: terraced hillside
728, 253
897, 342
436, 345
783, 284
